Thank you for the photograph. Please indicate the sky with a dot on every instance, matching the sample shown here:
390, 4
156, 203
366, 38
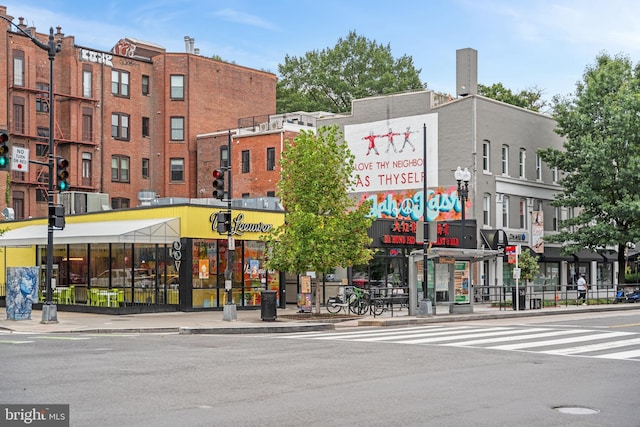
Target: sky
543, 44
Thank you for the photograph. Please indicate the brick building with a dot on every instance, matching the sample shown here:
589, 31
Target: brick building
126, 120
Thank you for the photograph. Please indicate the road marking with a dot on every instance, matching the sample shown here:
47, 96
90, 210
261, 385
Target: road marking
530, 340
625, 355
593, 347
548, 343
61, 337
14, 342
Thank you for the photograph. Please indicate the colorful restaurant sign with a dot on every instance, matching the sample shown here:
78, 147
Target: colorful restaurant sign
442, 204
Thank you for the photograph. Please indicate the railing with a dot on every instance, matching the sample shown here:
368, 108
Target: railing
537, 296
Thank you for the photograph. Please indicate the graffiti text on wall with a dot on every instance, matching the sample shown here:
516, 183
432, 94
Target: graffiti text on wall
442, 204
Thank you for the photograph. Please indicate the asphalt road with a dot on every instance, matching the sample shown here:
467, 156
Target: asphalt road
357, 377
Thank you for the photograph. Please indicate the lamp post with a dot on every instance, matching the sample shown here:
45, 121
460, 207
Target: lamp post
49, 309
463, 176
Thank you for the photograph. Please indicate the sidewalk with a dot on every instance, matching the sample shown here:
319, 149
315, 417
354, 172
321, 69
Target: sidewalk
250, 322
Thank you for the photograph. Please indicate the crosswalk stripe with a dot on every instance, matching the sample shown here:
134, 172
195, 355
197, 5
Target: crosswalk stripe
405, 338
548, 343
508, 338
527, 334
620, 356
60, 337
593, 347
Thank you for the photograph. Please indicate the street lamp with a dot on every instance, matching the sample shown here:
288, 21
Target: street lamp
49, 309
463, 176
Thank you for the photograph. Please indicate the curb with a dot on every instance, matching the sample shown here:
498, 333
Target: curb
257, 329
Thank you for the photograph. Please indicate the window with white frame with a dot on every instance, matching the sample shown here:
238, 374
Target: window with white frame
18, 68
87, 81
554, 175
538, 167
522, 161
505, 160
486, 209
505, 211
486, 156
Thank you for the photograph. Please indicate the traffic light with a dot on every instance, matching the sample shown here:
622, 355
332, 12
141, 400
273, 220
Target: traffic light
56, 216
4, 151
62, 174
218, 184
223, 220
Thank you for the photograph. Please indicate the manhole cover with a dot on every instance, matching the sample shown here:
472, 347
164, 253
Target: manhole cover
576, 410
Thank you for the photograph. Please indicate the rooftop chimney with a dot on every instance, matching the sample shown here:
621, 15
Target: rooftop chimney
466, 72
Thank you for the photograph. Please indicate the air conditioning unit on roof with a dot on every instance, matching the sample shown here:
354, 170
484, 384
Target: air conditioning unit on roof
264, 126
276, 124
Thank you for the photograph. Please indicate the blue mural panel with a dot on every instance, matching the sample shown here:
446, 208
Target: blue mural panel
22, 290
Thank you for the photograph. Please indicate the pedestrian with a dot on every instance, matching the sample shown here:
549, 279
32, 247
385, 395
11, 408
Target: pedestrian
582, 289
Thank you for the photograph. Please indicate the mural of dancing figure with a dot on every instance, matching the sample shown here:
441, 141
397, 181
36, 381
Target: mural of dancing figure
372, 142
390, 144
407, 134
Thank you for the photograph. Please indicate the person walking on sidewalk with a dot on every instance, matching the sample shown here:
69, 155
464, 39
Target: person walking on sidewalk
582, 290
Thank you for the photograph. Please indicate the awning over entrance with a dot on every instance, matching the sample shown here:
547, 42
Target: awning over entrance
586, 255
157, 230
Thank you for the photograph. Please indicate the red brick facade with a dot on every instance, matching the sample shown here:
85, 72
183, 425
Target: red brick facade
215, 96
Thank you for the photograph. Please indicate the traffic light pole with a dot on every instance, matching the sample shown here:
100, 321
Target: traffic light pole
229, 310
49, 309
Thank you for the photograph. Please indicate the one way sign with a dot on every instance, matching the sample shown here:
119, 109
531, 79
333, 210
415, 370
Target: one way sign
20, 159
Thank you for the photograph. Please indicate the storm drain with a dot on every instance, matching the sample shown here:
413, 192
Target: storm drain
576, 410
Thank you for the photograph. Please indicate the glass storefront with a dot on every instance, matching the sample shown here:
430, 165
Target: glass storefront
111, 275
249, 277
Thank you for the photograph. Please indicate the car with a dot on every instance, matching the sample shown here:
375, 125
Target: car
121, 277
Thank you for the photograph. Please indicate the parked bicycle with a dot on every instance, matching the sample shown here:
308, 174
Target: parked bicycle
356, 301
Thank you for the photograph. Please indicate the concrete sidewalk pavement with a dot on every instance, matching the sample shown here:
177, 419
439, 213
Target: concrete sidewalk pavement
250, 322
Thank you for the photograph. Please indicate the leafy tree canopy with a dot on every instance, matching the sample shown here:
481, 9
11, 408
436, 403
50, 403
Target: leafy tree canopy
321, 230
601, 157
330, 79
531, 98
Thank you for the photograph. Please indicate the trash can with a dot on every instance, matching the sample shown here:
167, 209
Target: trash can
522, 298
268, 306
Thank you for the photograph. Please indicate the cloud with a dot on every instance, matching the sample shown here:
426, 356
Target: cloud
244, 18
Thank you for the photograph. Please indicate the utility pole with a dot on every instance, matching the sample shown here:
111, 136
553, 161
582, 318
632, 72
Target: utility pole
49, 309
229, 310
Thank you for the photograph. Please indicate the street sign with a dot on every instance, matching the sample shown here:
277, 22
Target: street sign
516, 273
19, 159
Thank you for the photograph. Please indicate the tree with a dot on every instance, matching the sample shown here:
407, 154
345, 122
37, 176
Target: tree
531, 98
330, 79
601, 158
322, 230
528, 264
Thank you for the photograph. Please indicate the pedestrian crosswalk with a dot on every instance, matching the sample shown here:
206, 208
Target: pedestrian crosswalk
603, 344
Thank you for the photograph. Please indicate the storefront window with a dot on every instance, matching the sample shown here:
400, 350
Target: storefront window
548, 278
574, 272
605, 275
207, 274
254, 277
